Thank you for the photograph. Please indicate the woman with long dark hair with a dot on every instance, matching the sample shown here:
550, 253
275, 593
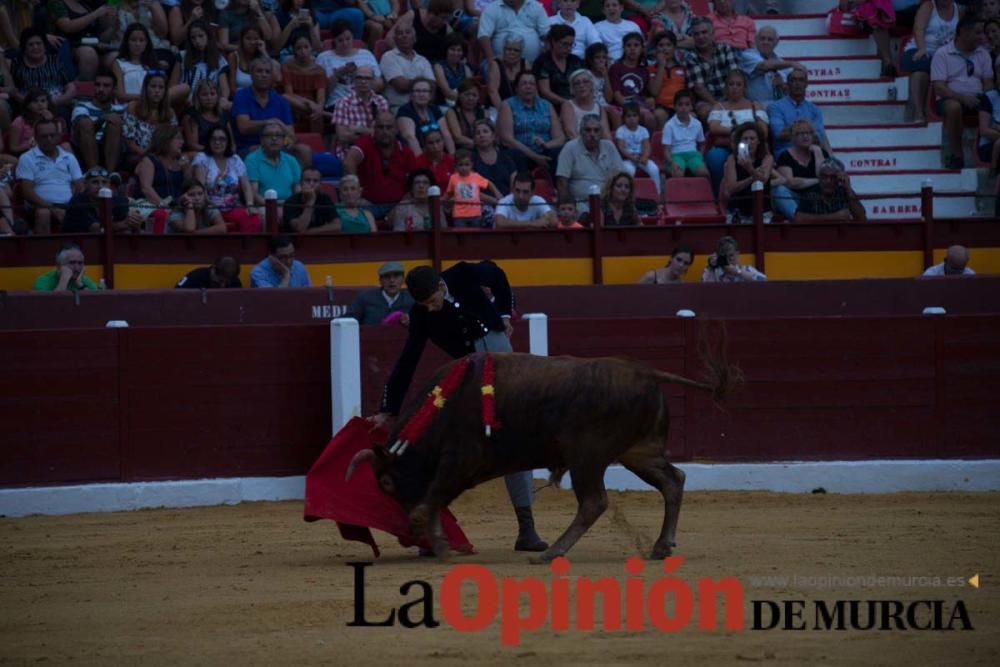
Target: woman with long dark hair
142, 116
462, 117
201, 60
749, 162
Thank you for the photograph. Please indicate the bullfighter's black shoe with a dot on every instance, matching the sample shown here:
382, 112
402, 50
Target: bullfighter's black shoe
527, 538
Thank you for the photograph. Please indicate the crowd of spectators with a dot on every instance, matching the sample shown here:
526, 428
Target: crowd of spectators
195, 113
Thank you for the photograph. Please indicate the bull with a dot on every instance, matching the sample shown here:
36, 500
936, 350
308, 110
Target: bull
560, 413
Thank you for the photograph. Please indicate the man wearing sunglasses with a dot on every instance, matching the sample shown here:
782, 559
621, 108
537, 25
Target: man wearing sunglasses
83, 210
960, 72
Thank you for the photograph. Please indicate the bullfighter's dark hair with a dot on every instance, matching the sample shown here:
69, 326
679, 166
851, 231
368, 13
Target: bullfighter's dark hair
422, 282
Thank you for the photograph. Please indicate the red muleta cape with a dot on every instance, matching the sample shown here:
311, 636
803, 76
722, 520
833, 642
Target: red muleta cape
359, 505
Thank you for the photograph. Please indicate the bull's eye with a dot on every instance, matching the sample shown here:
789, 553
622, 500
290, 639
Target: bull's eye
385, 481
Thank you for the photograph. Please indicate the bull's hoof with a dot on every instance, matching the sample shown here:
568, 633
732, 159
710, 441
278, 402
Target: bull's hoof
546, 558
661, 552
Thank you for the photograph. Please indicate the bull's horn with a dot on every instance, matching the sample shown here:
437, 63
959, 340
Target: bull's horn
364, 456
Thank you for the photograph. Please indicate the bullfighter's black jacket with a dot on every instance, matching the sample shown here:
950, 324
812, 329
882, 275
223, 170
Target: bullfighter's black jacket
455, 328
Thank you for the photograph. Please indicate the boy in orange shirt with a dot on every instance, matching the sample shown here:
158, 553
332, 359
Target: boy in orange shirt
468, 190
666, 77
566, 215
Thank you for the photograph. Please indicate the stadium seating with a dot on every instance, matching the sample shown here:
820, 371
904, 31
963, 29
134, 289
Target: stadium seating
691, 200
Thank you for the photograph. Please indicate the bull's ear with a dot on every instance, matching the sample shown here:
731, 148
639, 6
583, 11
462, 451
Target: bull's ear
386, 482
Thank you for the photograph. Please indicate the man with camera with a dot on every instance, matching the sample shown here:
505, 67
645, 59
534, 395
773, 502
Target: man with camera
724, 265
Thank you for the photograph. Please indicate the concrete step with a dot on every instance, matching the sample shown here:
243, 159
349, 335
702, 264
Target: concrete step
830, 47
863, 114
794, 26
832, 69
922, 158
908, 208
911, 183
889, 136
857, 91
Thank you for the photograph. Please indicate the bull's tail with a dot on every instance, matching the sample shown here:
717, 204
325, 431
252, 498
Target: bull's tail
721, 377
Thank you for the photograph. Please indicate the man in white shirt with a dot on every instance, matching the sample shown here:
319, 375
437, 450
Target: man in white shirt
402, 65
956, 260
524, 18
586, 34
522, 207
49, 177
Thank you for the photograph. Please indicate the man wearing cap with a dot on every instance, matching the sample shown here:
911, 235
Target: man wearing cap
373, 306
83, 210
464, 309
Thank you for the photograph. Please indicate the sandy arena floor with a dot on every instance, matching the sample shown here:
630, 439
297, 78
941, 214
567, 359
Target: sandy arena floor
254, 584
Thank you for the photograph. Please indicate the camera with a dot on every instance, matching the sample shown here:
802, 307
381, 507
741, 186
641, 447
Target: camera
721, 261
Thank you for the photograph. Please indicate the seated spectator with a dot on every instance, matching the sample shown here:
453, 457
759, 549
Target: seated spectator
199, 61
871, 15
614, 28
630, 79
960, 72
413, 212
675, 16
731, 28
728, 114
632, 141
430, 28
683, 140
522, 207
153, 15
567, 216
351, 214
305, 84
237, 16
329, 12
956, 260
492, 161
708, 65
724, 265
418, 117
204, 117
793, 106
584, 33
310, 210
97, 125
252, 48
7, 223
380, 17
441, 164
292, 22
582, 104
503, 71
453, 71
76, 21
144, 115
618, 201
402, 67
529, 126
553, 67
259, 106
33, 66
765, 69
750, 161
161, 173
992, 30
354, 114
192, 214
989, 130
525, 19
373, 306
224, 273
68, 274
341, 64
381, 162
37, 107
598, 64
49, 176
226, 182
280, 268
468, 191
270, 168
798, 169
585, 162
989, 10
462, 117
136, 59
933, 27
833, 199
675, 270
83, 210
187, 12
667, 76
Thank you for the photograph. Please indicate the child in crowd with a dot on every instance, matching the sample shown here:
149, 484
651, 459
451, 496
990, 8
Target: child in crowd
193, 214
37, 106
614, 28
630, 79
683, 139
666, 76
468, 190
566, 215
632, 141
135, 58
596, 59
205, 115
201, 60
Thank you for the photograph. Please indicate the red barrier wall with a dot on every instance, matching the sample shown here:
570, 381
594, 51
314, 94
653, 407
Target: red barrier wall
190, 402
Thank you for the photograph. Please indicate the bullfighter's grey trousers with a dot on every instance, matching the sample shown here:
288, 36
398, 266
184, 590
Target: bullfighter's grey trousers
520, 487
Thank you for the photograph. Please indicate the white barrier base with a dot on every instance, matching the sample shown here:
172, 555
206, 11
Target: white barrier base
888, 476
